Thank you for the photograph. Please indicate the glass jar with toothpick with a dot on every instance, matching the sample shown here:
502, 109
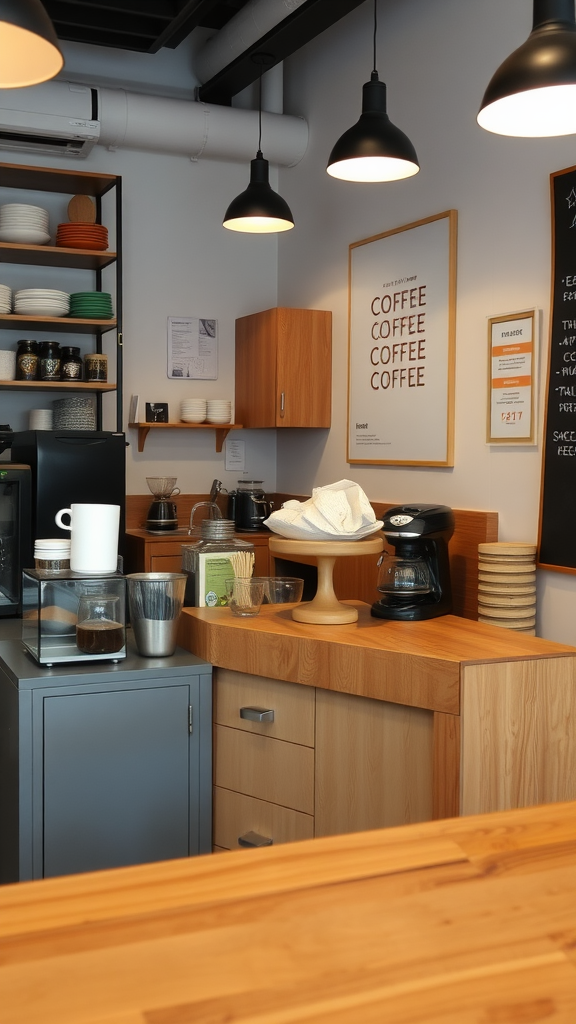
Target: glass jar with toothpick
215, 558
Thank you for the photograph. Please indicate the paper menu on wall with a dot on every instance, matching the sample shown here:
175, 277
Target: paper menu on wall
192, 348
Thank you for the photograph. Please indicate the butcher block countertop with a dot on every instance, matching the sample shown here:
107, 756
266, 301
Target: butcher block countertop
413, 663
460, 921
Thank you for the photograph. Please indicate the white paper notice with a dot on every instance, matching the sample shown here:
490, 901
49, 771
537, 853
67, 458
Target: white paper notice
192, 348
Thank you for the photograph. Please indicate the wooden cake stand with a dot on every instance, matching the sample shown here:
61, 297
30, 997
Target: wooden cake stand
325, 608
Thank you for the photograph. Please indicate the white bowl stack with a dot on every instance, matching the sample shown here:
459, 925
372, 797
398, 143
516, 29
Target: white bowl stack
24, 224
41, 302
218, 410
193, 410
5, 299
507, 585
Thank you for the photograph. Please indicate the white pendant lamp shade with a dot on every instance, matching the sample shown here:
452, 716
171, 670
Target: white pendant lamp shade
258, 209
374, 149
533, 93
29, 51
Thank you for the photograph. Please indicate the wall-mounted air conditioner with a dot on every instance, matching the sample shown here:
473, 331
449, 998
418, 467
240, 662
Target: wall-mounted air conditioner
54, 119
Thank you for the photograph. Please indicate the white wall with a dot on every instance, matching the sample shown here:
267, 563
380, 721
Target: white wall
436, 59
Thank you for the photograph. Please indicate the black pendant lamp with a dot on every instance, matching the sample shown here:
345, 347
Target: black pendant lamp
259, 210
29, 51
533, 93
374, 149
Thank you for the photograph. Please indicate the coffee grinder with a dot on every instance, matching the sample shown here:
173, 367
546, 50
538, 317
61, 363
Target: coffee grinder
414, 581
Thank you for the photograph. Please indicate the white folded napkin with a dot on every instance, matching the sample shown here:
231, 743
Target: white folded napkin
339, 511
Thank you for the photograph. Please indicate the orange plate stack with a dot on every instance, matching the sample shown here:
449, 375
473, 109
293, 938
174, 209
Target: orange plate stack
82, 235
507, 585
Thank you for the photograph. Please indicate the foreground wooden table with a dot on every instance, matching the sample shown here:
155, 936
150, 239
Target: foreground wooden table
449, 922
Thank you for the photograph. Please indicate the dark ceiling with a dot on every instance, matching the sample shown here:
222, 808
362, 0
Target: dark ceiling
149, 25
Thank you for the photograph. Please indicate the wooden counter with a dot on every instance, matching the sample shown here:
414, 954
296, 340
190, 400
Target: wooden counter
413, 720
453, 922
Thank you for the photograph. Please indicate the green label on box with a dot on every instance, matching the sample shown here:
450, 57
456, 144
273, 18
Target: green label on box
213, 571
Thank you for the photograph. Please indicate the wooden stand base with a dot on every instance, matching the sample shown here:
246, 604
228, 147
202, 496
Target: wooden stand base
325, 608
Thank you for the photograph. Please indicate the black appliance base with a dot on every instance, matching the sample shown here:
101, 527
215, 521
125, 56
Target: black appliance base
409, 613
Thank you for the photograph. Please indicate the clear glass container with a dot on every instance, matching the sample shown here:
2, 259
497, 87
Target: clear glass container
98, 630
54, 606
213, 559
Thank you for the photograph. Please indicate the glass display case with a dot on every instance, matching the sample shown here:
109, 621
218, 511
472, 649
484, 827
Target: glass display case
69, 617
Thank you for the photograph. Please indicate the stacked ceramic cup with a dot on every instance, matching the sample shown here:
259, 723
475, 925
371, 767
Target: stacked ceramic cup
218, 410
507, 585
193, 410
40, 419
7, 364
5, 299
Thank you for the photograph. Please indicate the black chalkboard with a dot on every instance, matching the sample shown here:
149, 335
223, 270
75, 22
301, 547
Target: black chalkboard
557, 531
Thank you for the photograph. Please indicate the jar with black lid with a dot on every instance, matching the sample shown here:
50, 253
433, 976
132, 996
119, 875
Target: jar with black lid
50, 360
71, 363
27, 360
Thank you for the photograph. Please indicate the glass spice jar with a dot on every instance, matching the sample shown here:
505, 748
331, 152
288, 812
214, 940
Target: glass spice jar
50, 360
27, 360
71, 365
96, 366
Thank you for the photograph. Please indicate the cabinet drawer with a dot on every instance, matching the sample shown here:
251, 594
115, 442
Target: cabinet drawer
265, 768
236, 814
166, 563
292, 703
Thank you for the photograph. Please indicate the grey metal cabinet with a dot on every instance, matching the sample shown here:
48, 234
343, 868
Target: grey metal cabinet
102, 766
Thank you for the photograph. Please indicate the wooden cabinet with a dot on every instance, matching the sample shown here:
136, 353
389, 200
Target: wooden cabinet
105, 767
412, 721
284, 368
67, 183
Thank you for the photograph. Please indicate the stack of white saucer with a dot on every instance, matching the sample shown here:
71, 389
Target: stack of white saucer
20, 222
193, 410
507, 585
5, 299
40, 419
218, 410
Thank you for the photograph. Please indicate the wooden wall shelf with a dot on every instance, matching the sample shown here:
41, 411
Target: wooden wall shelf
222, 431
55, 385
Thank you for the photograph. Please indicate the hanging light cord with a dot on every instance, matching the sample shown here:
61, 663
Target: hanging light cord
374, 71
259, 153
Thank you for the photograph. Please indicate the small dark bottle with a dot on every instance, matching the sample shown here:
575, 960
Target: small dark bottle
71, 363
27, 360
50, 360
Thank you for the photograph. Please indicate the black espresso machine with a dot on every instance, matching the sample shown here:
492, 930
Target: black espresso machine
414, 581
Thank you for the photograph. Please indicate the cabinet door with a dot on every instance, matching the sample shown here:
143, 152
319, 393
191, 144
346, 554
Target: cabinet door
116, 778
304, 368
374, 763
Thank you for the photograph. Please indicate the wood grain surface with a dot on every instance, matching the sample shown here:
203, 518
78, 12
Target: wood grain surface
463, 921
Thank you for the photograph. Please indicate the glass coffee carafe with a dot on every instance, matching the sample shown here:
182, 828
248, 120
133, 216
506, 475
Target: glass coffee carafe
403, 576
98, 629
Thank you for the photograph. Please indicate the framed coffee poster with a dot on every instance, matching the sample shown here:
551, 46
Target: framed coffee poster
401, 352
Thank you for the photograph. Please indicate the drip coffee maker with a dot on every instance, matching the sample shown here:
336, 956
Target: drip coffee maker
249, 506
414, 581
162, 514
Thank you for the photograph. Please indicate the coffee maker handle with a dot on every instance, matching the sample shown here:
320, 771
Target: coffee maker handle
232, 505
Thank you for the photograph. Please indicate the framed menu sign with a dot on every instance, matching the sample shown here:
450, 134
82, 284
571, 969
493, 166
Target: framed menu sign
511, 364
557, 536
402, 322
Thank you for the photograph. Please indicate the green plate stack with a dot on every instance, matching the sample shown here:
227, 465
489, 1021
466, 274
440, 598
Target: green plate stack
91, 306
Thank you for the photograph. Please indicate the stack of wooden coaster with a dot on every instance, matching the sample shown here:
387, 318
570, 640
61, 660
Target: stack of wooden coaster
507, 585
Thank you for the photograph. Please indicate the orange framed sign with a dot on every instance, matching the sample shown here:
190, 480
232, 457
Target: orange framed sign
512, 342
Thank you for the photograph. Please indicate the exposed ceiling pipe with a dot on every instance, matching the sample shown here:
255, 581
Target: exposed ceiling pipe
240, 33
136, 121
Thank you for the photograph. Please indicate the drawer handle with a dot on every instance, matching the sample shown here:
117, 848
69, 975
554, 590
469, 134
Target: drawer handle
254, 839
257, 714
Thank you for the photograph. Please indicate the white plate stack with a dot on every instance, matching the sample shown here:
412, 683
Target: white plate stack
193, 410
218, 410
507, 585
5, 299
41, 302
24, 224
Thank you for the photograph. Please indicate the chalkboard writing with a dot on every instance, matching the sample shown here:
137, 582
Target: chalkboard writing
557, 531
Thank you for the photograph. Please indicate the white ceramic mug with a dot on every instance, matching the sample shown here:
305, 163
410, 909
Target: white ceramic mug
94, 537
